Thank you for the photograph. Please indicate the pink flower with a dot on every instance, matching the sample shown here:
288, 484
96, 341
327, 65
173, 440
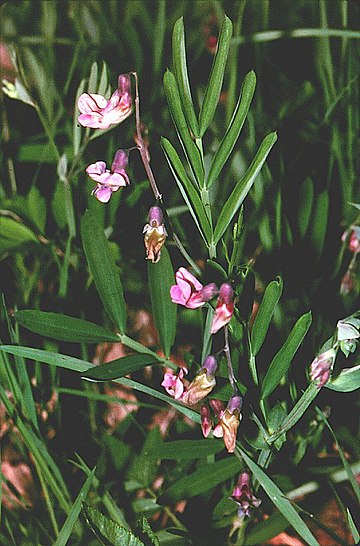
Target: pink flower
352, 236
224, 307
109, 181
229, 420
347, 284
99, 113
243, 496
321, 367
206, 421
174, 384
188, 291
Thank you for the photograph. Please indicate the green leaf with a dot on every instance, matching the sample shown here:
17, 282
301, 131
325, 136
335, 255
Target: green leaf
181, 75
58, 205
214, 85
14, 234
264, 315
104, 79
265, 530
108, 529
234, 129
120, 367
200, 481
64, 535
37, 208
92, 84
189, 146
306, 199
186, 449
348, 380
320, 221
144, 526
282, 360
103, 269
296, 413
187, 190
77, 129
161, 278
278, 498
63, 327
143, 469
355, 533
243, 187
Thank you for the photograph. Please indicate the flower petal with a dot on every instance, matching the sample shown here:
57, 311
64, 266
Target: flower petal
102, 193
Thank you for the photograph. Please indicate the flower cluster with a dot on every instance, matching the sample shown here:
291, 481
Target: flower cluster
191, 393
109, 181
190, 293
351, 237
243, 496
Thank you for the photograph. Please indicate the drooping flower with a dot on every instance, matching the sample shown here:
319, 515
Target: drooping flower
99, 113
352, 237
174, 384
243, 495
188, 291
206, 421
109, 181
347, 283
348, 334
321, 367
155, 234
202, 384
229, 420
224, 307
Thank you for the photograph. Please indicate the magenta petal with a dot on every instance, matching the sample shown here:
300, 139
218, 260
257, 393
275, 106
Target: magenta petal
120, 161
103, 193
186, 275
124, 83
96, 168
177, 295
94, 121
91, 103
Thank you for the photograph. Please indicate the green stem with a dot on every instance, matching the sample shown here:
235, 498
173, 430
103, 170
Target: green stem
47, 498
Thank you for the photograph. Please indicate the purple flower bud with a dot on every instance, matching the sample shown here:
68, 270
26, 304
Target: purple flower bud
226, 293
120, 161
156, 217
206, 422
124, 83
321, 367
210, 364
235, 403
209, 291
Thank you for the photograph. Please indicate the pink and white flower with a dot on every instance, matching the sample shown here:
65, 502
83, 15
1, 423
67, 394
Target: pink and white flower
224, 308
174, 384
189, 292
99, 113
243, 496
109, 181
229, 420
321, 367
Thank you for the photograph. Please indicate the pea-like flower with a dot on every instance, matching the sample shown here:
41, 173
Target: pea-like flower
174, 384
229, 420
352, 237
321, 367
189, 292
99, 113
206, 421
155, 234
202, 384
243, 496
224, 308
109, 181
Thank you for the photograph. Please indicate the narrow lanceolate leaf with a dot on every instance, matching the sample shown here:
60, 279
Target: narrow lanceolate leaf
296, 413
177, 114
234, 129
200, 481
47, 357
64, 535
187, 190
108, 529
215, 81
320, 222
282, 360
243, 187
282, 504
120, 367
264, 315
63, 327
181, 75
348, 380
161, 278
103, 269
185, 449
306, 199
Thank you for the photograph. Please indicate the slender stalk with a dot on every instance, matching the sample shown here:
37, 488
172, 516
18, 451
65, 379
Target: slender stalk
229, 363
